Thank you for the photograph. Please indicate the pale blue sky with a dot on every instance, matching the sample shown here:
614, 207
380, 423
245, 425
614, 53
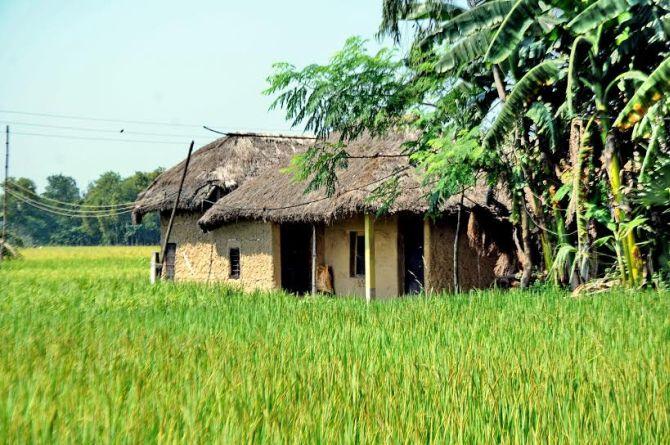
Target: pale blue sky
196, 62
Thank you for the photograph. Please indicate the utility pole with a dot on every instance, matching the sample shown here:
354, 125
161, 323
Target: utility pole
4, 196
174, 211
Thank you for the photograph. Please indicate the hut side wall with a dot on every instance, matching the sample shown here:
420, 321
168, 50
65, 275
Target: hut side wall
475, 271
205, 256
336, 255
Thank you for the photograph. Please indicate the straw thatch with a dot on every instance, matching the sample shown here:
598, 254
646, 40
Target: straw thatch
275, 196
216, 169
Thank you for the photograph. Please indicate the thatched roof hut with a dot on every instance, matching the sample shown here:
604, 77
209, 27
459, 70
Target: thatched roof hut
216, 169
275, 196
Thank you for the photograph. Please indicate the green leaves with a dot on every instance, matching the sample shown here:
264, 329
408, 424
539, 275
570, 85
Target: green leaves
464, 52
511, 31
650, 92
541, 115
430, 10
482, 17
450, 164
523, 94
318, 166
598, 13
573, 72
355, 92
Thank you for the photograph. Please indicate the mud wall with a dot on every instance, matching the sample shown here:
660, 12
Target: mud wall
205, 256
475, 271
336, 255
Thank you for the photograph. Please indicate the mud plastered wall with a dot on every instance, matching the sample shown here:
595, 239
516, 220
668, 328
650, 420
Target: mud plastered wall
336, 255
475, 271
205, 256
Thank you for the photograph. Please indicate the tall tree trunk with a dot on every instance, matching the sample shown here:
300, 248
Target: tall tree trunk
525, 238
581, 176
524, 252
631, 253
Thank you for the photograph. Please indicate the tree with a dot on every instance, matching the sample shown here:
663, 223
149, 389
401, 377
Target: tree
61, 189
567, 99
26, 226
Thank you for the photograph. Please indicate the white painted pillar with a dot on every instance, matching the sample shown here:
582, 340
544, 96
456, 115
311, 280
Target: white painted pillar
370, 279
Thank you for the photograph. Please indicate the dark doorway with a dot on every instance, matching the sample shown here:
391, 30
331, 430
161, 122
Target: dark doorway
411, 233
170, 257
296, 258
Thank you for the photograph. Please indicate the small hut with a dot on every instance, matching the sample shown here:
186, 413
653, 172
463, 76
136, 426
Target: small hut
268, 233
215, 170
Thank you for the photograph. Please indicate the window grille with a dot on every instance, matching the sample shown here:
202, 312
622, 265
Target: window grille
356, 254
234, 257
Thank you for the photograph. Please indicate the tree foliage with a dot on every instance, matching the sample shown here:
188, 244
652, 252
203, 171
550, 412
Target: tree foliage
565, 103
33, 226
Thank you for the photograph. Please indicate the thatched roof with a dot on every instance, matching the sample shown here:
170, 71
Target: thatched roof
225, 163
275, 196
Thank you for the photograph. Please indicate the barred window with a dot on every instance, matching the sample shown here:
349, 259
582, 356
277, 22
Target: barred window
356, 254
234, 257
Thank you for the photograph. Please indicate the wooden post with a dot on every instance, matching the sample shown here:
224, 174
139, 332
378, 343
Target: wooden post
370, 281
3, 241
457, 238
174, 208
427, 257
155, 261
313, 259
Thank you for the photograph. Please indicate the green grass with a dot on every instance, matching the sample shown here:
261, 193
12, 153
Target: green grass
89, 352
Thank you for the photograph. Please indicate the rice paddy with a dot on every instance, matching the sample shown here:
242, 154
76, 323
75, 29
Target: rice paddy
91, 353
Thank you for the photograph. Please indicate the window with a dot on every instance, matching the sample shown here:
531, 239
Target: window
234, 257
356, 254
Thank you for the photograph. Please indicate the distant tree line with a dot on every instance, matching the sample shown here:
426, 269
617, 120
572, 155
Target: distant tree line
54, 217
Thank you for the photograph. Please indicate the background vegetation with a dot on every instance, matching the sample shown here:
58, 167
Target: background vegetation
65, 215
90, 352
563, 103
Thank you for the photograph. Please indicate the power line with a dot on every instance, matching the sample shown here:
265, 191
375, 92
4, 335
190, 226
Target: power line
85, 138
137, 122
27, 191
100, 130
57, 208
64, 212
98, 119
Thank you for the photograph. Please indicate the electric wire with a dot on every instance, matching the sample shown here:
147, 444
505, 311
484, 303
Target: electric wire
66, 210
26, 190
99, 130
86, 138
98, 119
62, 212
129, 121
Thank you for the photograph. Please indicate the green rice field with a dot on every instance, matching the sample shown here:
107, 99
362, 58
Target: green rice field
91, 353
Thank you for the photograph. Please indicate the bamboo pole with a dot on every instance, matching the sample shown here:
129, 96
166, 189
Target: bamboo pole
174, 208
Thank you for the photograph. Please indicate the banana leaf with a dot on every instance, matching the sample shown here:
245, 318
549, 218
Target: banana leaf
464, 52
597, 13
651, 91
523, 94
513, 28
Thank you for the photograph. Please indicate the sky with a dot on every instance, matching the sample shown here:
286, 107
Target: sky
185, 64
